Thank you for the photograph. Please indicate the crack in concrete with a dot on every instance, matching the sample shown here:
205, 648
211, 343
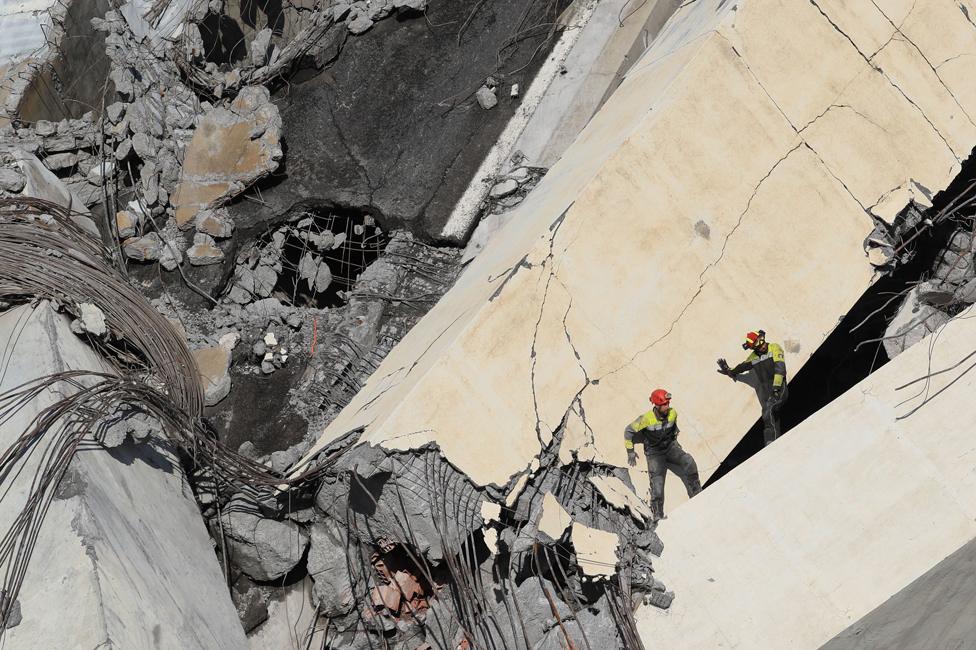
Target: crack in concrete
701, 276
935, 71
836, 178
851, 108
758, 82
524, 263
554, 229
868, 60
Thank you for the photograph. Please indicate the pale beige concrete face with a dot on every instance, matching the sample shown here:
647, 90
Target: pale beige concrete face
827, 523
724, 187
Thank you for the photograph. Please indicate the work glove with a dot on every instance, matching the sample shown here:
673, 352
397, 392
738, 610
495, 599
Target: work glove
777, 391
723, 369
631, 458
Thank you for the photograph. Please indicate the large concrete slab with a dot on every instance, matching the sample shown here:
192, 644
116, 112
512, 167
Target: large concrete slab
123, 558
938, 610
724, 186
822, 527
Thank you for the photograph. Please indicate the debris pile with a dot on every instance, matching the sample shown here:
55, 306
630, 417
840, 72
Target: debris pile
298, 309
930, 304
509, 189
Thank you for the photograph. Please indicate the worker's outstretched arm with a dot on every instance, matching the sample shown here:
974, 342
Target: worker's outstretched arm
745, 366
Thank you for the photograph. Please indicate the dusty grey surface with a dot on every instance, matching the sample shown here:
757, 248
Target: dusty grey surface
938, 610
393, 127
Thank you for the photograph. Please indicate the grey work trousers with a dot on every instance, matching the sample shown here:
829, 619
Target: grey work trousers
674, 458
770, 416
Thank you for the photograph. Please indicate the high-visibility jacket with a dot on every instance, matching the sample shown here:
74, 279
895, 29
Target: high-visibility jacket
652, 430
769, 367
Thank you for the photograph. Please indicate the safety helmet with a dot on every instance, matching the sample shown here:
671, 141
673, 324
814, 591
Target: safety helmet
660, 397
754, 340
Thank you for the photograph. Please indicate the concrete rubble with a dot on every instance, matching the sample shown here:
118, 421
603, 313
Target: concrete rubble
415, 344
123, 540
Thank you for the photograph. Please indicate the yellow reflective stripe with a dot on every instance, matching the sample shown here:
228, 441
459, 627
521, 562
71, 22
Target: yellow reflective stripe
629, 444
777, 380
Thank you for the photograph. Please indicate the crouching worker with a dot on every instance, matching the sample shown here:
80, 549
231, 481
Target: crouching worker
657, 430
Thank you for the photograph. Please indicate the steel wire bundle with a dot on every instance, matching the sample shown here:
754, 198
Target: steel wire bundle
44, 255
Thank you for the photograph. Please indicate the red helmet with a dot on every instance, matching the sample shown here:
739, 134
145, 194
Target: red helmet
754, 340
660, 397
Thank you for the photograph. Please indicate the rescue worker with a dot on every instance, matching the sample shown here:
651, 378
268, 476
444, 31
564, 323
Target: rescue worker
768, 365
657, 430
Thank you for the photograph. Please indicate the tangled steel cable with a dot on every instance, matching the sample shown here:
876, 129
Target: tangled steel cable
43, 254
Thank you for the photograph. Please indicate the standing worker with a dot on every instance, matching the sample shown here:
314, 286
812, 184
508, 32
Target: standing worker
768, 364
657, 430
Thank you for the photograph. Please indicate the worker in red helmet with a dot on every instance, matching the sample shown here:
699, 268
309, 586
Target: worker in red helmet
657, 430
767, 363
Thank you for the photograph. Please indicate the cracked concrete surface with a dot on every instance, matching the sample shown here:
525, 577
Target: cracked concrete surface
704, 130
810, 559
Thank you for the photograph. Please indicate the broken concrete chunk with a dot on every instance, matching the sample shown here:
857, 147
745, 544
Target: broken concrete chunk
123, 150
265, 279
282, 460
967, 292
143, 249
222, 158
64, 143
45, 128
961, 242
213, 365
880, 255
12, 180
248, 450
935, 293
59, 161
91, 320
265, 549
204, 251
115, 111
506, 187
486, 98
260, 47
99, 173
146, 147
265, 312
320, 241
170, 257
328, 566
913, 322
216, 223
124, 423
360, 23
232, 77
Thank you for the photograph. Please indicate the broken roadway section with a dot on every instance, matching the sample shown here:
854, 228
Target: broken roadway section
726, 185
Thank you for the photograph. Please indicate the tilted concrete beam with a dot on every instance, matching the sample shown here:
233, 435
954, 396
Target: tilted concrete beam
725, 186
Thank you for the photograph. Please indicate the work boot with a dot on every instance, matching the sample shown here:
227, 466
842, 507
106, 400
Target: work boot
657, 509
